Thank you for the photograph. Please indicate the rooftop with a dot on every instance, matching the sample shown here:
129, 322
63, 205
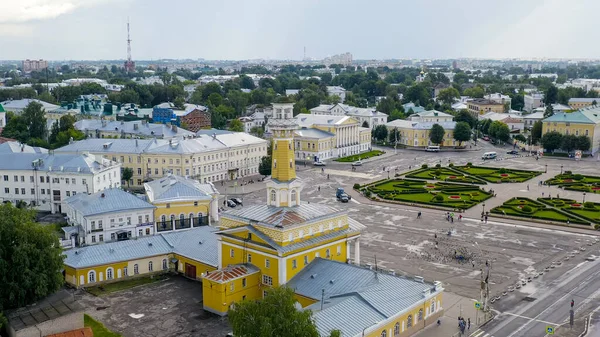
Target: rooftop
177, 188
283, 216
589, 115
308, 121
349, 110
73, 163
583, 100
54, 306
107, 201
231, 272
312, 133
198, 243
140, 128
16, 147
433, 113
401, 123
20, 104
483, 101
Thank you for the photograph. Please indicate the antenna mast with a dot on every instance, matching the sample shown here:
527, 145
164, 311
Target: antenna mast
129, 64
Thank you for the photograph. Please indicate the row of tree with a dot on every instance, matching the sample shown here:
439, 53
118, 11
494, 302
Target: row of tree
462, 133
553, 140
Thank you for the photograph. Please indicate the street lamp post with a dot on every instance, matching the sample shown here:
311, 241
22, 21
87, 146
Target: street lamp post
482, 210
584, 197
561, 169
546, 171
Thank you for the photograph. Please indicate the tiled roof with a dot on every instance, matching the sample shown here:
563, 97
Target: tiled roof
83, 332
198, 243
54, 306
177, 188
107, 201
355, 297
231, 272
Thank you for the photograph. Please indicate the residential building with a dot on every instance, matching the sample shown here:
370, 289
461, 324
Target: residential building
289, 92
370, 116
515, 124
337, 91
195, 118
213, 155
530, 119
256, 120
343, 59
499, 98
431, 116
182, 203
18, 105
350, 138
2, 118
582, 102
480, 106
308, 248
532, 101
416, 133
95, 128
192, 253
34, 65
45, 180
108, 215
583, 122
556, 107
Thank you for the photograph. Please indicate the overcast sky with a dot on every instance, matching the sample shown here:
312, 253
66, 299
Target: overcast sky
280, 29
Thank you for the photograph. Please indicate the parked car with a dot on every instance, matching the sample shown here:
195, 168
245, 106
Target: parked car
231, 203
513, 152
486, 138
357, 163
319, 163
238, 201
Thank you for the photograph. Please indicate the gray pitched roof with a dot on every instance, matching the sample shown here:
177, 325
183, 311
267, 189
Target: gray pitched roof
283, 216
313, 133
355, 297
198, 243
73, 163
110, 200
16, 147
177, 188
134, 127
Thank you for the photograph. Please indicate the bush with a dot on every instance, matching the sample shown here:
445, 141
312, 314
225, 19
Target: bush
469, 164
356, 186
589, 205
424, 166
438, 165
451, 165
502, 170
439, 198
367, 194
437, 172
597, 226
527, 209
568, 172
578, 177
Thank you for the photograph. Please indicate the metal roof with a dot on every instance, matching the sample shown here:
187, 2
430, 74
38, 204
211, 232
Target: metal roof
106, 201
231, 272
312, 133
72, 163
133, 127
20, 104
198, 243
574, 117
177, 188
16, 147
305, 120
283, 216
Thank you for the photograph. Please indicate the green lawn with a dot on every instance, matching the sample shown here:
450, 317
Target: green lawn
109, 288
527, 208
439, 194
98, 328
498, 175
362, 156
590, 211
576, 182
444, 174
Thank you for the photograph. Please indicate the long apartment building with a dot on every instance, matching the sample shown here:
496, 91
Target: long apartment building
44, 180
213, 155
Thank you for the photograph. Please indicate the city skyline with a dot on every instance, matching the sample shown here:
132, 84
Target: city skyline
236, 30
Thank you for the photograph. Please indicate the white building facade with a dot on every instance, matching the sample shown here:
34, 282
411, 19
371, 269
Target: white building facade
532, 101
371, 116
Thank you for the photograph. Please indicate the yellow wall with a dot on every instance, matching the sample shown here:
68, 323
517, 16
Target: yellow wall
201, 268
258, 259
573, 128
314, 144
321, 251
183, 207
579, 105
408, 136
304, 301
219, 296
284, 167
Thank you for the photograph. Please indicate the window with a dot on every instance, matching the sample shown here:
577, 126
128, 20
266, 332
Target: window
16, 178
397, 330
249, 258
7, 190
168, 205
339, 250
67, 181
31, 179
150, 267
33, 191
93, 238
22, 191
420, 315
125, 270
305, 260
231, 253
139, 170
409, 321
6, 178
432, 306
147, 231
109, 273
83, 181
267, 263
91, 276
244, 282
43, 191
268, 280
16, 191
195, 203
100, 224
273, 195
136, 269
68, 193
294, 264
327, 253
383, 333
101, 238
112, 236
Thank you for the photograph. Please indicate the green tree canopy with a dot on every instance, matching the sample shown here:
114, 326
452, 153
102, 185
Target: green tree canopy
568, 143
551, 140
31, 258
474, 92
499, 130
126, 174
448, 95
266, 162
380, 132
536, 132
465, 115
273, 316
462, 132
436, 134
583, 143
236, 125
551, 95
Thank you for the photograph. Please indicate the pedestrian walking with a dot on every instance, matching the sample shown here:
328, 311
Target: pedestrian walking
542, 194
452, 219
319, 188
468, 323
460, 217
486, 217
528, 187
419, 215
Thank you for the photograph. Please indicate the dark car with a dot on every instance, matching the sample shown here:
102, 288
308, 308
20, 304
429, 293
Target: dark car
231, 203
513, 152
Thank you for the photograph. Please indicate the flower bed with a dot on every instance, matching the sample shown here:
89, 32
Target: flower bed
454, 197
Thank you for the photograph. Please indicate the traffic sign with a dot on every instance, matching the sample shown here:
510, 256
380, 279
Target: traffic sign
477, 305
550, 330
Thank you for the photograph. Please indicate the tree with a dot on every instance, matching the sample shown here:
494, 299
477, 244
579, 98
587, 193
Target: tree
365, 124
436, 134
551, 141
34, 118
551, 95
465, 116
462, 132
549, 111
236, 125
380, 132
258, 131
568, 143
396, 114
215, 99
273, 316
179, 103
536, 132
126, 174
499, 130
246, 82
31, 258
583, 143
266, 162
394, 136
520, 138
448, 95
474, 92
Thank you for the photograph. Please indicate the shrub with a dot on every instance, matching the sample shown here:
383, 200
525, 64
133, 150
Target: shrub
367, 194
568, 172
527, 209
589, 205
356, 186
578, 177
502, 170
438, 165
597, 226
424, 166
469, 164
439, 198
437, 172
451, 165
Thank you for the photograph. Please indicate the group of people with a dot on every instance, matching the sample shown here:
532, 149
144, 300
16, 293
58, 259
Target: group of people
462, 324
450, 217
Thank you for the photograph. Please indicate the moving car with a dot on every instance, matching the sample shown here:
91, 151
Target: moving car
341, 195
486, 138
489, 155
231, 203
238, 201
319, 163
357, 163
512, 152
432, 148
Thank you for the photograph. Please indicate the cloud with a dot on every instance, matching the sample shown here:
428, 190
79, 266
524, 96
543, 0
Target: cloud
21, 11
15, 30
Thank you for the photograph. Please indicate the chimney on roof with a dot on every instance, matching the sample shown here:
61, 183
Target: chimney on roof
102, 195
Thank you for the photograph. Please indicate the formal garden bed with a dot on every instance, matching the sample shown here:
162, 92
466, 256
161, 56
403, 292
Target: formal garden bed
588, 210
497, 175
531, 209
576, 182
362, 156
442, 194
444, 174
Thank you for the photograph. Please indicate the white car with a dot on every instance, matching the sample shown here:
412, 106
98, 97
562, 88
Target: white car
357, 163
319, 163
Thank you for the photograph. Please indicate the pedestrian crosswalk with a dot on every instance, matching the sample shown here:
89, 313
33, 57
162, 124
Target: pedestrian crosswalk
480, 333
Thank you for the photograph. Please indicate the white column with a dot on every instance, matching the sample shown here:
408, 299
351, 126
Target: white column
347, 250
214, 208
357, 252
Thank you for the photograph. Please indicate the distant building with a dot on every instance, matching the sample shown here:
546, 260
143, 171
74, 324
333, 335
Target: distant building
2, 118
289, 92
195, 118
415, 134
532, 101
499, 98
164, 116
18, 105
337, 91
530, 119
578, 103
34, 65
94, 128
343, 59
369, 115
480, 106
583, 122
411, 106
431, 116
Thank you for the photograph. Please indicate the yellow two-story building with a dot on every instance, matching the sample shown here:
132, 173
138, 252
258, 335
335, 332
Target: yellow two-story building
415, 134
583, 122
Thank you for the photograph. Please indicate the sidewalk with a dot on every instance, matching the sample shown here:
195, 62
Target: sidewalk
454, 306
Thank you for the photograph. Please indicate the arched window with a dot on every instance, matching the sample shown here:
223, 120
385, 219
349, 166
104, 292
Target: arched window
91, 276
409, 321
191, 215
420, 316
136, 269
397, 329
273, 196
164, 263
200, 214
293, 195
383, 333
163, 218
181, 218
150, 266
109, 273
432, 305
172, 217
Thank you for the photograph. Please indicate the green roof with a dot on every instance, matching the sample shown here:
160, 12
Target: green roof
2, 108
573, 117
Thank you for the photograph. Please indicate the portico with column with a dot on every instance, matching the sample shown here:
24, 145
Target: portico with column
354, 242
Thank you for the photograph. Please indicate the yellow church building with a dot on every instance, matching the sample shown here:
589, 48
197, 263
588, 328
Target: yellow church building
308, 247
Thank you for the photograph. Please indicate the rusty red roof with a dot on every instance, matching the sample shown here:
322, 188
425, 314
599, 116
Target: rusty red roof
231, 272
